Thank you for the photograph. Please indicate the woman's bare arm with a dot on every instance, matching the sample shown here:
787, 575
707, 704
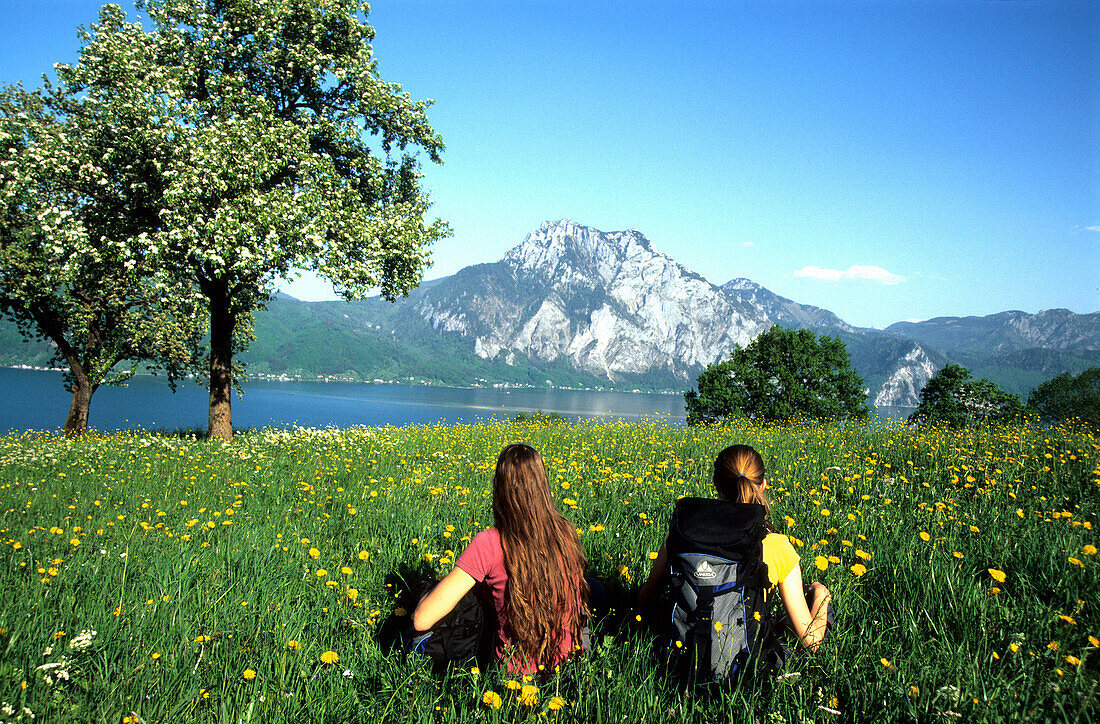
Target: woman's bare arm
653, 582
441, 599
809, 625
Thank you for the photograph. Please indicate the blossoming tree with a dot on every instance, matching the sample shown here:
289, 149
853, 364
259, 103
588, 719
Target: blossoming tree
78, 194
288, 151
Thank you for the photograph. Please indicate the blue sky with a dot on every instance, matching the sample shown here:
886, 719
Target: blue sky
884, 160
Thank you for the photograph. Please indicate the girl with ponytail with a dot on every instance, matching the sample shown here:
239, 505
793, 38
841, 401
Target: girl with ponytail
532, 562
739, 477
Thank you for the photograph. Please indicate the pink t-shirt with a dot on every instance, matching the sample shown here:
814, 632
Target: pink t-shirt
483, 559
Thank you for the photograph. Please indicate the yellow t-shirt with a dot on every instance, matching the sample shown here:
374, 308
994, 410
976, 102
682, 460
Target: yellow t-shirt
780, 556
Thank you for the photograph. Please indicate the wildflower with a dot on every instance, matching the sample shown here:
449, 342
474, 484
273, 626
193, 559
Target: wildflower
353, 594
491, 699
529, 695
293, 644
1053, 646
863, 554
1013, 647
512, 685
998, 576
886, 663
363, 555
1068, 619
914, 692
821, 562
248, 674
1089, 550
329, 657
1072, 560
859, 569
201, 639
826, 511
321, 573
925, 537
652, 557
1073, 661
314, 553
1094, 641
345, 570
555, 703
717, 625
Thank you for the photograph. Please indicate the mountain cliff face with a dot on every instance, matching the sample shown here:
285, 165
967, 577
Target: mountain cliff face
1004, 332
610, 304
606, 302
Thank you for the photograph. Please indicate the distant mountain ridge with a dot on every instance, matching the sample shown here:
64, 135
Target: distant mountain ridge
574, 306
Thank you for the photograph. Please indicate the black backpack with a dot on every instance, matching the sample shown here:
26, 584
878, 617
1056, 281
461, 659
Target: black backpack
467, 633
718, 622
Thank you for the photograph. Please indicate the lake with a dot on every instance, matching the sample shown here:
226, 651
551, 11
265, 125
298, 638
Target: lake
36, 400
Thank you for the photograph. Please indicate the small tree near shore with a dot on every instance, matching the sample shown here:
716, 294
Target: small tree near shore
953, 398
78, 182
782, 374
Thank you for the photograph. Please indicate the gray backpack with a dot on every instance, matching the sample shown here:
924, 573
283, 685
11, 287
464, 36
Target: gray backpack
719, 626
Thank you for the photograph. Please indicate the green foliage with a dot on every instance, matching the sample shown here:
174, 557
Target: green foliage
78, 188
1067, 397
953, 398
782, 374
288, 150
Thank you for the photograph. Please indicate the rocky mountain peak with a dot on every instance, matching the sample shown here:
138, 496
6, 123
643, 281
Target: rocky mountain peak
566, 248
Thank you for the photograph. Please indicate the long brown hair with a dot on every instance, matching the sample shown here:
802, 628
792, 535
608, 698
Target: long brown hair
543, 557
739, 476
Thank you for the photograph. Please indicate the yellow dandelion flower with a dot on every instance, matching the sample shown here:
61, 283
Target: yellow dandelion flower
1073, 661
512, 685
863, 554
329, 658
345, 570
491, 699
154, 656
653, 555
925, 537
555, 703
314, 553
529, 695
821, 562
957, 554
248, 674
1053, 646
1094, 641
886, 663
321, 573
363, 555
1013, 647
353, 594
998, 576
1076, 561
1068, 619
293, 644
859, 569
717, 625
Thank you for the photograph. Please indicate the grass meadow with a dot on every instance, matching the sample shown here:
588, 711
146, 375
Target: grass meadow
162, 578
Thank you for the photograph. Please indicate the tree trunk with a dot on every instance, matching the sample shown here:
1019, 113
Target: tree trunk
222, 322
76, 423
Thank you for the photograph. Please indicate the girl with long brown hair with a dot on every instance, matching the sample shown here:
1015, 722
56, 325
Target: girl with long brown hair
532, 562
739, 477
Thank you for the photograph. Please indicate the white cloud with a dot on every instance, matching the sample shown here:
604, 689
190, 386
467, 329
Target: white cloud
747, 243
1092, 228
856, 271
